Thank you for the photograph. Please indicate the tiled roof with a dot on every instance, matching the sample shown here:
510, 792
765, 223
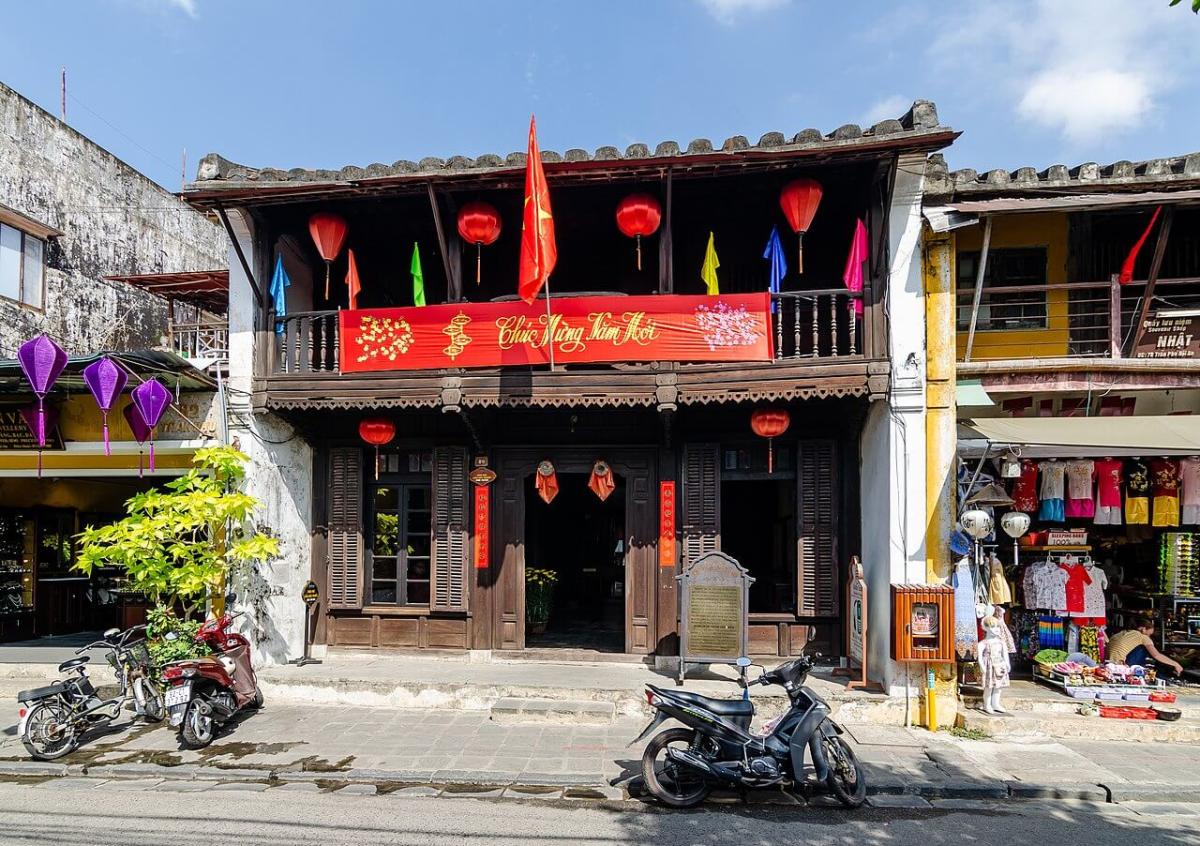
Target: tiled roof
918, 126
944, 184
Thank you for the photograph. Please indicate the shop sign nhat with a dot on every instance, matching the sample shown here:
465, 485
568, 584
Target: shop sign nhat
1167, 335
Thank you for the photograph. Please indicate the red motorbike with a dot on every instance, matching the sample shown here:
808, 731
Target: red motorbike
204, 693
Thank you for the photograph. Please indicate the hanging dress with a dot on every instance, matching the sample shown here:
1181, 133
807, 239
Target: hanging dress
966, 633
1052, 490
1108, 492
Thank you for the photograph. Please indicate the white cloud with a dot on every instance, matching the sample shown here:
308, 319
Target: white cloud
728, 11
887, 107
1085, 69
188, 7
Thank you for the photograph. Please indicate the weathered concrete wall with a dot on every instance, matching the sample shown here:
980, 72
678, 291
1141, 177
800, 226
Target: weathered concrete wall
114, 220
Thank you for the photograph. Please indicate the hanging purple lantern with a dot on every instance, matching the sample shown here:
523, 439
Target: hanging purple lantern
43, 361
151, 399
141, 432
106, 379
29, 414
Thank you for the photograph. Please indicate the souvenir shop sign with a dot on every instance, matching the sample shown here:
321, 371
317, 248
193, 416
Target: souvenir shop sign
1169, 337
733, 327
16, 434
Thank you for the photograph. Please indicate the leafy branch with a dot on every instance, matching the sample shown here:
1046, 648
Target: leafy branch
1195, 5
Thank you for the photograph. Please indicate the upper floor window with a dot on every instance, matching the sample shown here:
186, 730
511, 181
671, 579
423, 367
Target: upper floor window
22, 273
1015, 269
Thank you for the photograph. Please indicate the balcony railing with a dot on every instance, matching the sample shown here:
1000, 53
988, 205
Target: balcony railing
203, 341
1096, 320
806, 325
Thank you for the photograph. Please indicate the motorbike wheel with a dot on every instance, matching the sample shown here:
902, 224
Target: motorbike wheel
679, 787
257, 701
48, 733
846, 780
198, 728
149, 699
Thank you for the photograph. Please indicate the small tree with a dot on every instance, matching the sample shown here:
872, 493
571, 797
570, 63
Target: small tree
178, 543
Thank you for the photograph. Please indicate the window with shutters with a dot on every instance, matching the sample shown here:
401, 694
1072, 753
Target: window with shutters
817, 554
345, 562
451, 529
701, 517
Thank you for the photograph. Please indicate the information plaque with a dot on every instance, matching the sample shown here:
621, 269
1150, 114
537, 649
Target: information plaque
714, 602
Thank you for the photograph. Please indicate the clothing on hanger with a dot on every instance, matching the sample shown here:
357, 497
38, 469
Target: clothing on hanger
1189, 498
1053, 476
1164, 478
1137, 493
1109, 477
998, 591
1080, 490
1024, 492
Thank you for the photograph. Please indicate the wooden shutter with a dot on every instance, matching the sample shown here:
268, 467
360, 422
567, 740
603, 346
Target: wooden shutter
816, 552
345, 569
701, 500
450, 529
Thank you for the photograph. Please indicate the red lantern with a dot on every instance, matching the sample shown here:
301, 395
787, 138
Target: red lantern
638, 215
328, 232
799, 200
770, 423
377, 431
479, 224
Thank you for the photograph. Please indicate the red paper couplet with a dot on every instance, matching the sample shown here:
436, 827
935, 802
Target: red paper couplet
666, 524
483, 538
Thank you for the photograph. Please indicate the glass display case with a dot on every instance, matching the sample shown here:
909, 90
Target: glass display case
17, 553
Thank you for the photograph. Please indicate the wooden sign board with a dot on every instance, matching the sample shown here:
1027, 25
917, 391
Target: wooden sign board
1167, 336
856, 629
714, 603
15, 434
310, 595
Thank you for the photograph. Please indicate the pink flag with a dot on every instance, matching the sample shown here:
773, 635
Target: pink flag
853, 275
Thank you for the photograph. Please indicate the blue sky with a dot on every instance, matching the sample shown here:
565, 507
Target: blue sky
320, 84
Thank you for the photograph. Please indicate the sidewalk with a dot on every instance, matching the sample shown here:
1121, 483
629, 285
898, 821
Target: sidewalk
468, 751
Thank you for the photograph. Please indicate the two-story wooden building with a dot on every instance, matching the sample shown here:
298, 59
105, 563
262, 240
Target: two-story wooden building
429, 542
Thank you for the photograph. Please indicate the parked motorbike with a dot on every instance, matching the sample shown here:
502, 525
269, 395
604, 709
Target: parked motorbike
54, 719
681, 766
204, 693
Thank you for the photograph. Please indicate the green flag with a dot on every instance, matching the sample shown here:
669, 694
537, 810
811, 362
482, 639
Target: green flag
708, 272
418, 277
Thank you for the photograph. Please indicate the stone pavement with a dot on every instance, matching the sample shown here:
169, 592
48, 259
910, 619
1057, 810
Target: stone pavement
466, 750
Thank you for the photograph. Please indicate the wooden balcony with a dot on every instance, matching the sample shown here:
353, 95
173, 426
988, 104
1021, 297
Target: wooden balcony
818, 341
206, 342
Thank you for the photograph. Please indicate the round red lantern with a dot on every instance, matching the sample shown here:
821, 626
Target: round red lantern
377, 431
799, 200
479, 224
638, 215
770, 423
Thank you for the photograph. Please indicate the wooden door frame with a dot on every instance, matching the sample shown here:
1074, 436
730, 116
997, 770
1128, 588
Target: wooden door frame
638, 467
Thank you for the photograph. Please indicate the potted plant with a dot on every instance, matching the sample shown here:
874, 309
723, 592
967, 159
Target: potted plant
539, 597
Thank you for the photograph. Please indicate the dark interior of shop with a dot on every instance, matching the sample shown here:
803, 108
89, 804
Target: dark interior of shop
758, 528
581, 539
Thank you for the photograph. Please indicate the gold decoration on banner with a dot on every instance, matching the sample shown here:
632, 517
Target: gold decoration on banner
383, 337
458, 336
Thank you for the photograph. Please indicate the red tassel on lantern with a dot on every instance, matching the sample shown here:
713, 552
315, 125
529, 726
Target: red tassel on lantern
770, 423
377, 431
479, 224
799, 200
638, 215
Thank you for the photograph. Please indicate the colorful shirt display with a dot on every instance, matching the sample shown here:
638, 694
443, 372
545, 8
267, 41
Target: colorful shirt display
1080, 491
1108, 482
1077, 581
1189, 478
1025, 494
1053, 475
1137, 491
1164, 484
1093, 593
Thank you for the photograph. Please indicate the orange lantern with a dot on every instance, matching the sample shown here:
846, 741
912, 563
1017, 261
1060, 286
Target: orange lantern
770, 423
799, 200
377, 431
638, 215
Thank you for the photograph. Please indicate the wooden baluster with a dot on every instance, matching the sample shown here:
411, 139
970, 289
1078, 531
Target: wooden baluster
834, 299
291, 348
777, 316
796, 326
853, 318
306, 349
333, 340
816, 327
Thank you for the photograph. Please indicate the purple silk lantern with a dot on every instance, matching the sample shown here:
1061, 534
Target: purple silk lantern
141, 432
49, 417
105, 379
43, 361
151, 399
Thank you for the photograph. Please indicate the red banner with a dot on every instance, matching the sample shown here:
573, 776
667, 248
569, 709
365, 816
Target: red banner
728, 327
666, 524
483, 532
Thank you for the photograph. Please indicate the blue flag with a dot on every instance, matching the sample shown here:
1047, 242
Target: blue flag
774, 254
279, 284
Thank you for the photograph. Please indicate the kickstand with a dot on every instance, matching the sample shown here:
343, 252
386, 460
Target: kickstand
745, 795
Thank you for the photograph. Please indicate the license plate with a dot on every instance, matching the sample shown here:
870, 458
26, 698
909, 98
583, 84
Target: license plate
180, 695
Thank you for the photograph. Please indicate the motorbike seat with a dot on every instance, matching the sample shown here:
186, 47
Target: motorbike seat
721, 707
71, 664
37, 693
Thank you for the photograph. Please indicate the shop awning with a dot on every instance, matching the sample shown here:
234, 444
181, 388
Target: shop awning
208, 289
1082, 436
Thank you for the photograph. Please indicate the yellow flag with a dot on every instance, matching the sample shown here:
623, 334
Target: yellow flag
708, 272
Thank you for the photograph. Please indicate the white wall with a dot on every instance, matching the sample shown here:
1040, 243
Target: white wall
893, 437
280, 476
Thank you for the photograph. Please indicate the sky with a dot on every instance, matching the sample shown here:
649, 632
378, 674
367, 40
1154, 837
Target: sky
309, 83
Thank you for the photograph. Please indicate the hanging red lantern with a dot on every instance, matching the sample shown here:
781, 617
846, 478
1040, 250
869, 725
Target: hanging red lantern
328, 232
479, 224
770, 423
799, 200
638, 215
377, 431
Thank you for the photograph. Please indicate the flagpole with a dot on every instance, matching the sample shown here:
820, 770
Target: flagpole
549, 323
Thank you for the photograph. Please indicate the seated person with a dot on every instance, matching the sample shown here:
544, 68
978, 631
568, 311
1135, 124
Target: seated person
1136, 646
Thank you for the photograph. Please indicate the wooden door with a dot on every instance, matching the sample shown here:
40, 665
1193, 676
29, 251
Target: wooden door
508, 578
641, 559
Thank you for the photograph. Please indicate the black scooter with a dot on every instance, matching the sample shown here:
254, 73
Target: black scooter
681, 766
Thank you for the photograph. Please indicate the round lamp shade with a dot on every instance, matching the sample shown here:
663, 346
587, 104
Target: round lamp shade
1015, 524
976, 523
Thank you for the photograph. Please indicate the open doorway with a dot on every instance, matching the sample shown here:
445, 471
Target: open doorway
758, 528
582, 539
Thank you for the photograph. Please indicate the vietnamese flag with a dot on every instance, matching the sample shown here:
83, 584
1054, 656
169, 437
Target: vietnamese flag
1126, 275
538, 251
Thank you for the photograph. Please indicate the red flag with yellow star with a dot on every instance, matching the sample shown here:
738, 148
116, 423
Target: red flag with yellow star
538, 250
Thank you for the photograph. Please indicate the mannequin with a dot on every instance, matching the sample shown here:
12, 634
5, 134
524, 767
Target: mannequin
994, 665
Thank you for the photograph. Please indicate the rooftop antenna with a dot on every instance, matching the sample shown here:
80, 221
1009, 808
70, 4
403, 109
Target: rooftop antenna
183, 170
63, 110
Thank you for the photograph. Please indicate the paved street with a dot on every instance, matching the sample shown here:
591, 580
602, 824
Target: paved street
70, 812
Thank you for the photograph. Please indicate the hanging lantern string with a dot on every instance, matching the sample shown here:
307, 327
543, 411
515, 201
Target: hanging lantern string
172, 403
639, 252
478, 261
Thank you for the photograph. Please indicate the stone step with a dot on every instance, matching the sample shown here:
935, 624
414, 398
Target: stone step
1027, 725
512, 709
